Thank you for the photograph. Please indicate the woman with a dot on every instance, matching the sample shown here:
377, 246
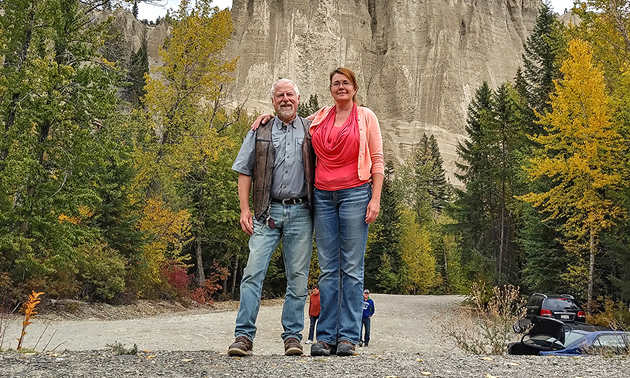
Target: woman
348, 181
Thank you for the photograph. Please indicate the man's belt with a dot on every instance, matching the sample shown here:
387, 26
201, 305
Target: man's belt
290, 201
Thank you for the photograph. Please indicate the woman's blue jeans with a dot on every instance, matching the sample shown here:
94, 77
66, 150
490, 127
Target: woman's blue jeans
341, 235
294, 225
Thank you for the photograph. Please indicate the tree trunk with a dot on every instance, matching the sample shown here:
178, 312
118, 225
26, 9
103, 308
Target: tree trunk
201, 276
234, 276
591, 271
446, 272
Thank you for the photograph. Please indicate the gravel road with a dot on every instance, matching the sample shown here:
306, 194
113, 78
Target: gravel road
406, 342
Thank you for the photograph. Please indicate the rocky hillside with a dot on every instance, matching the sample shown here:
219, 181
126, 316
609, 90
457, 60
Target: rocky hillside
418, 62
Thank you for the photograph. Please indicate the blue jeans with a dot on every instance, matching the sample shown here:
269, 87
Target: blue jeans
295, 226
311, 330
366, 325
341, 235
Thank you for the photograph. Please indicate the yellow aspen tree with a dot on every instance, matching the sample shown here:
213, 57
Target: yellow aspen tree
184, 110
581, 154
415, 245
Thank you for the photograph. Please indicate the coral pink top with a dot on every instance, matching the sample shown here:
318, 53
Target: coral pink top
370, 156
337, 150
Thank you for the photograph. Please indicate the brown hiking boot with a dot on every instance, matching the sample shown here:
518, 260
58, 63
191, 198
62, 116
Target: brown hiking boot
345, 348
320, 348
292, 347
241, 347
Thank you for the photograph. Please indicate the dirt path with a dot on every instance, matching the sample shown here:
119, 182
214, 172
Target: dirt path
401, 324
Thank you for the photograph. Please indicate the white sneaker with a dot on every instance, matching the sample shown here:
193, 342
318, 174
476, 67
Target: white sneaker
308, 342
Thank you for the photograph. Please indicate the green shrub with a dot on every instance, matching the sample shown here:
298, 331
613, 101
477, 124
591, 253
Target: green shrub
101, 271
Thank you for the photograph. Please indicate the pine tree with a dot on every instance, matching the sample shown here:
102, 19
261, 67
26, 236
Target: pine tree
473, 205
383, 260
305, 109
544, 50
440, 188
492, 156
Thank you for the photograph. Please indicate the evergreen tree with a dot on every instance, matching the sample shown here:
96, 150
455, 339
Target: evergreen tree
440, 188
57, 97
544, 51
472, 206
383, 260
305, 109
492, 153
138, 68
423, 177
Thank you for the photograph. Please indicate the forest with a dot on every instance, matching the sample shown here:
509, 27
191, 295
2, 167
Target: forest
116, 180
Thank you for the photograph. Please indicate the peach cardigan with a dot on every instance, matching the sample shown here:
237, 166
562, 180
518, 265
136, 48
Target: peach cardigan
371, 144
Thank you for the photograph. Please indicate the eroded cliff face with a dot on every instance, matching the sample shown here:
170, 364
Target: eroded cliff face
418, 62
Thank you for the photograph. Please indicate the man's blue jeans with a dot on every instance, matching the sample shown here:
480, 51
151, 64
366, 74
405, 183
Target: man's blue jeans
341, 235
294, 225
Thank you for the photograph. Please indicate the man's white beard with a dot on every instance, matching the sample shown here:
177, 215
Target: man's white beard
286, 112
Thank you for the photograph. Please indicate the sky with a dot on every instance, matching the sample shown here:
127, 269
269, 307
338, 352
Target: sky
150, 12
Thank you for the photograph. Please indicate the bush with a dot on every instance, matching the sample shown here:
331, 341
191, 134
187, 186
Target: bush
102, 272
484, 325
177, 278
204, 294
615, 315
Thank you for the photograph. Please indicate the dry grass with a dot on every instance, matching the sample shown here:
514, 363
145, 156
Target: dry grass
484, 327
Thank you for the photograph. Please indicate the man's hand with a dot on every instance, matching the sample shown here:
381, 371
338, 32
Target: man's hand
260, 120
247, 221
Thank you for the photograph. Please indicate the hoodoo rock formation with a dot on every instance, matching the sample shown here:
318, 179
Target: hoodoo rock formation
418, 62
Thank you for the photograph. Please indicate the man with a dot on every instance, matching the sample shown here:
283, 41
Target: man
313, 312
368, 311
278, 160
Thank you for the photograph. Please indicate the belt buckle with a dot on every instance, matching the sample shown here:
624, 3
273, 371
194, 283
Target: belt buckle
288, 201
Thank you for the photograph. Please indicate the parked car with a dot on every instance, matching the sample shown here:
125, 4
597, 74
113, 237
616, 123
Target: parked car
562, 307
549, 336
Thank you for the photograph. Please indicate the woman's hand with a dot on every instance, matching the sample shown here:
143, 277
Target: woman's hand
372, 210
260, 120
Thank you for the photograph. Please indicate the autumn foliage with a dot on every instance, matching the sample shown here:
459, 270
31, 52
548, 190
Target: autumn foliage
29, 312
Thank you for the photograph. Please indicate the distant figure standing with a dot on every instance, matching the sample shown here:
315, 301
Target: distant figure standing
368, 311
313, 313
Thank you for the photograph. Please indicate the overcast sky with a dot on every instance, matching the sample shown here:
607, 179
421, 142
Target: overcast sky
149, 12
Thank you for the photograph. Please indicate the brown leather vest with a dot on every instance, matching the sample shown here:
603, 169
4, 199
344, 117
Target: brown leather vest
263, 167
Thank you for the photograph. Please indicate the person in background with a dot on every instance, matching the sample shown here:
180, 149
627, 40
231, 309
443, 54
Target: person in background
278, 161
368, 311
313, 313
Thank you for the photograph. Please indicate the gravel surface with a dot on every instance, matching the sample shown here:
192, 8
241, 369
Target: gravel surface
406, 342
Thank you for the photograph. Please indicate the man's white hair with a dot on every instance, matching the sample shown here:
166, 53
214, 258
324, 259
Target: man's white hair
273, 87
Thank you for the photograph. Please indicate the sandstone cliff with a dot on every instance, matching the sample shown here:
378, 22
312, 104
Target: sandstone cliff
418, 62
